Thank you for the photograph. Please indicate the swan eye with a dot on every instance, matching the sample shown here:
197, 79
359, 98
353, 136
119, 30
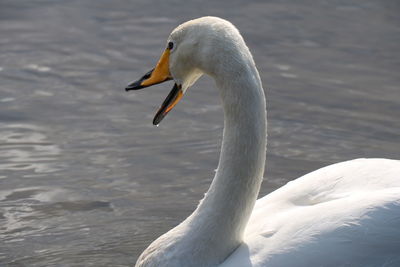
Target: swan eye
170, 45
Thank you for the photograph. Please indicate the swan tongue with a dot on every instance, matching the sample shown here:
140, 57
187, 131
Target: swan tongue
172, 99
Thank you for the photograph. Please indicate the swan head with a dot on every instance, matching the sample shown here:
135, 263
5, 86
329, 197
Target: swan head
193, 48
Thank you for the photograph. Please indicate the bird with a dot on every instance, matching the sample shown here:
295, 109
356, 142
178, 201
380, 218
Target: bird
345, 214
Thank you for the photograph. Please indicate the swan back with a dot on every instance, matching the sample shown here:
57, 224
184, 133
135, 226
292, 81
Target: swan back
346, 214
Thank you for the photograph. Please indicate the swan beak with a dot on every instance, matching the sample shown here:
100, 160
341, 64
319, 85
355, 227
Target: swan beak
169, 103
157, 75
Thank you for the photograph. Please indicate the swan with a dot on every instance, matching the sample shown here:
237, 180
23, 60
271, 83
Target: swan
346, 214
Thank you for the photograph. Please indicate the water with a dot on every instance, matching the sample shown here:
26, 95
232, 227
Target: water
86, 180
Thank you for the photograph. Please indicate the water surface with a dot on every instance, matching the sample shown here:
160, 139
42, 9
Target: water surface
86, 180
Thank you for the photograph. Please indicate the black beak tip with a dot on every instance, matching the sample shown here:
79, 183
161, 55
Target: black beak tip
158, 118
134, 86
138, 84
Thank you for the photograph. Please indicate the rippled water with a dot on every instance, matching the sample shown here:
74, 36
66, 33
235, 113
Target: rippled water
86, 180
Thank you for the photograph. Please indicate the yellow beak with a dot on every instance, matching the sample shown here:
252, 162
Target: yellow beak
158, 75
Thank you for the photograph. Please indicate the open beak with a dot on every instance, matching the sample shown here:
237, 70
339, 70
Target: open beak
155, 76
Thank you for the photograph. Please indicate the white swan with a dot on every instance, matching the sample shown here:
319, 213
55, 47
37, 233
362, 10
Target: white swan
346, 214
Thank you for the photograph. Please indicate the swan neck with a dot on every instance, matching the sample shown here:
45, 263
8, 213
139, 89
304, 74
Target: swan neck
224, 212
242, 160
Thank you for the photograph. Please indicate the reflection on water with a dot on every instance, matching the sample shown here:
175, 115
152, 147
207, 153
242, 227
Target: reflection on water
85, 177
24, 147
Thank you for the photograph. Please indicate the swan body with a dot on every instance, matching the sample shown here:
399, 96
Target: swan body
346, 214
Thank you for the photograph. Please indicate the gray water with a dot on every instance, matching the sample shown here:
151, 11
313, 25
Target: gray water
86, 180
